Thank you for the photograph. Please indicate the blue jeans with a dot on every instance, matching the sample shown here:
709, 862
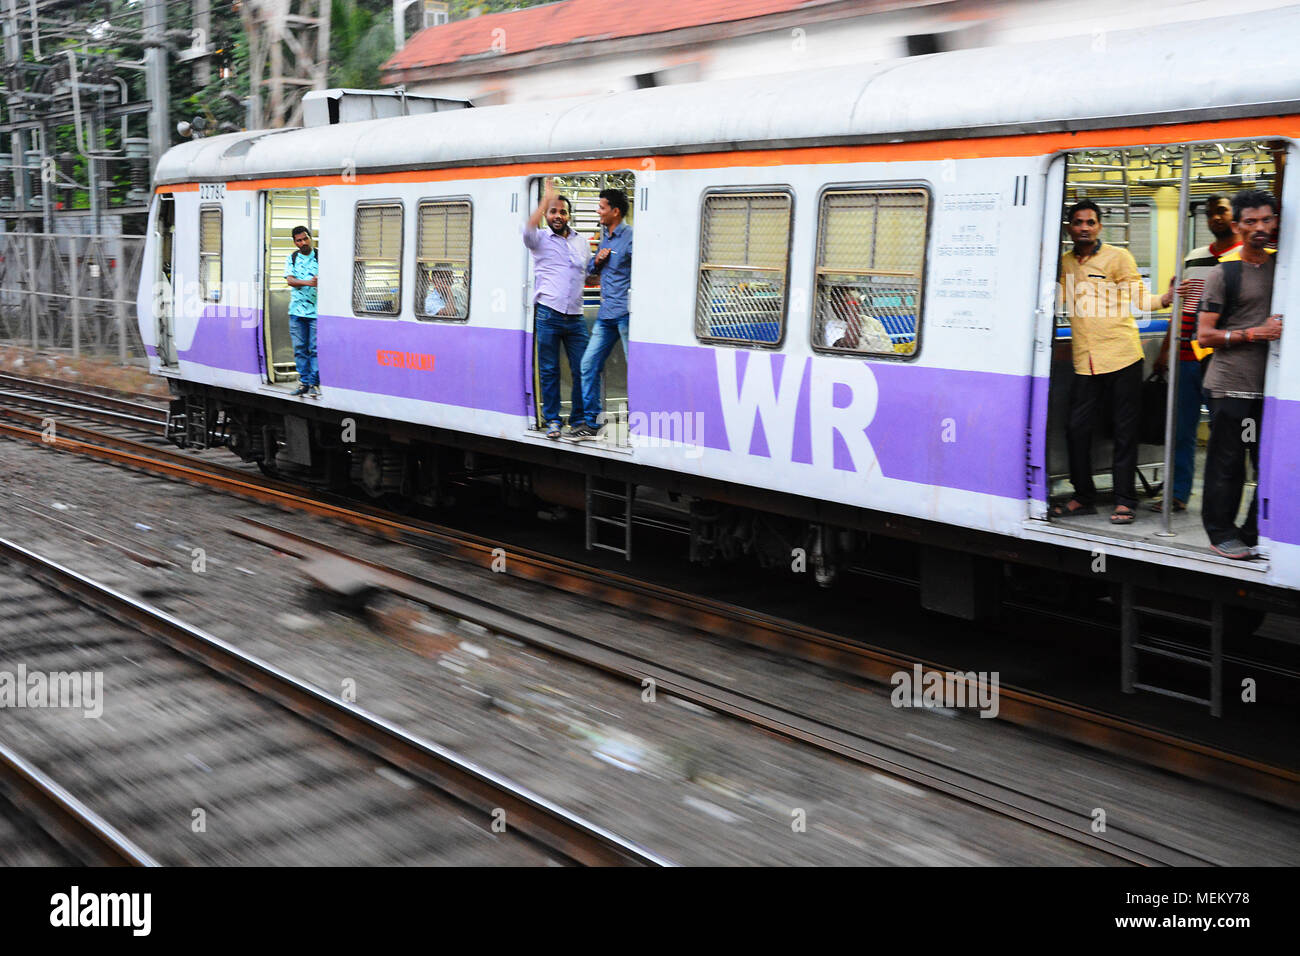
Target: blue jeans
1187, 418
552, 330
303, 333
603, 336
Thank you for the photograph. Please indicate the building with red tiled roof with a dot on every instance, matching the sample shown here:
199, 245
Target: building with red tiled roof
576, 47
593, 47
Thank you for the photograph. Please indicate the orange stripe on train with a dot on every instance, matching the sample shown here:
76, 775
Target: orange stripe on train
984, 147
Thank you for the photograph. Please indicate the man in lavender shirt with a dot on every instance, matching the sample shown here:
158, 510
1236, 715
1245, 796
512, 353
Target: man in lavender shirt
559, 268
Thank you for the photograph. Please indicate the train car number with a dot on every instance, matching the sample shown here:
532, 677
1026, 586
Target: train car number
212, 190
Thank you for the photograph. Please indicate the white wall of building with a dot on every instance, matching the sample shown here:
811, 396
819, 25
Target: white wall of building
865, 39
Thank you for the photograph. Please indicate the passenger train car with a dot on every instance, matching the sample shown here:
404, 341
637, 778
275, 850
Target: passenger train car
844, 296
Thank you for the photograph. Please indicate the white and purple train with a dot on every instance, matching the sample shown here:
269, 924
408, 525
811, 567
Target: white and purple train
843, 294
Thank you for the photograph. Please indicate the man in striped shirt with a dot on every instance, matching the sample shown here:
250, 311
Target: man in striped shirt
1187, 408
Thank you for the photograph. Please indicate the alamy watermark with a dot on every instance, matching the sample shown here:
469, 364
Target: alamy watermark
667, 430
955, 690
74, 909
61, 689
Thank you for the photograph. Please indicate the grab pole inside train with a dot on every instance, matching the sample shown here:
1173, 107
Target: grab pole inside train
1174, 333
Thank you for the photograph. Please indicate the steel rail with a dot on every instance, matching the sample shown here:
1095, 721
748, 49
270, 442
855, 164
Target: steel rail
1023, 707
536, 817
86, 388
34, 420
66, 819
143, 410
859, 748
105, 415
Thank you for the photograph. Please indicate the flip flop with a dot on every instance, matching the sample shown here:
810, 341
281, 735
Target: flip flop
1159, 506
1065, 511
1123, 517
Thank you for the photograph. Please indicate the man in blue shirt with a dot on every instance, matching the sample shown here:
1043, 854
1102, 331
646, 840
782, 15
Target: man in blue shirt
300, 271
613, 263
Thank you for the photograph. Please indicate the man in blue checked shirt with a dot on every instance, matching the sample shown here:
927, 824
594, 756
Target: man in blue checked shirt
613, 263
300, 271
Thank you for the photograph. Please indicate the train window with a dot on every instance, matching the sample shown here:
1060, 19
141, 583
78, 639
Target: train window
744, 262
377, 268
442, 243
870, 270
210, 253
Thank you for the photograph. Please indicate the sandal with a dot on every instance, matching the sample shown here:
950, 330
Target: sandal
1159, 505
553, 431
1123, 514
1065, 511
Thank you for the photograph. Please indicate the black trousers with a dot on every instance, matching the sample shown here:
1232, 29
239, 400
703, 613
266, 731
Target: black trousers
1087, 395
1235, 425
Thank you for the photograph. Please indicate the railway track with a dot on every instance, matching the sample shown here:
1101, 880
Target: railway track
107, 406
1027, 708
34, 807
192, 731
636, 669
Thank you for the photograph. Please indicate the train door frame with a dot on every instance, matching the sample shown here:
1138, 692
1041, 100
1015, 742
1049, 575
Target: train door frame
1191, 154
533, 391
165, 273
267, 219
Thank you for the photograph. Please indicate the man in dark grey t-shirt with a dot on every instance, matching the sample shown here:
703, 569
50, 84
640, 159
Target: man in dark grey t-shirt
1234, 321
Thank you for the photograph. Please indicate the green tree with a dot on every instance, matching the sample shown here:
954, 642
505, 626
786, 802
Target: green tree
361, 39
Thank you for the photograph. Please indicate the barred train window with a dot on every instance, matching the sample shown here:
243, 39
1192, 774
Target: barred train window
442, 260
744, 261
870, 267
210, 253
377, 270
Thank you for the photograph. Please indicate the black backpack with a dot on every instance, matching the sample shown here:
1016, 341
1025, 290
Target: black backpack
1231, 292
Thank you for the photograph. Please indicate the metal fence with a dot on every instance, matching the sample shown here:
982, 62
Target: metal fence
71, 293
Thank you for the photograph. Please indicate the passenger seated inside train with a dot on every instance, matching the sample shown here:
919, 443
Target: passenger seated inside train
446, 295
850, 327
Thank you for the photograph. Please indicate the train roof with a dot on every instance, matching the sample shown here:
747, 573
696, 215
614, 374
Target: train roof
1154, 75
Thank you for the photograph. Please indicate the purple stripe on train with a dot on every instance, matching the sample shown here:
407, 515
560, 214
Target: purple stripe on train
462, 365
952, 429
1280, 473
1038, 474
468, 366
226, 337
931, 426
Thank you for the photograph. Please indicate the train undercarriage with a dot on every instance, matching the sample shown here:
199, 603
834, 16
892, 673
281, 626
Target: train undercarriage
956, 572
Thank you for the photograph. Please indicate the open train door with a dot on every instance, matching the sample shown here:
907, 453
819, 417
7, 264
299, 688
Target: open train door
1155, 202
1038, 475
165, 292
282, 211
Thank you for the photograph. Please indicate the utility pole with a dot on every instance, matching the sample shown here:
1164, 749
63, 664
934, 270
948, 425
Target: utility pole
432, 14
399, 22
155, 77
13, 61
203, 38
300, 29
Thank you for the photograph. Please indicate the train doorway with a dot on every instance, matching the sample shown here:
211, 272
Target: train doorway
284, 209
1162, 205
583, 191
165, 295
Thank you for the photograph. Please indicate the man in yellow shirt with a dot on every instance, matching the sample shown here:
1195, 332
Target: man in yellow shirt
1100, 285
